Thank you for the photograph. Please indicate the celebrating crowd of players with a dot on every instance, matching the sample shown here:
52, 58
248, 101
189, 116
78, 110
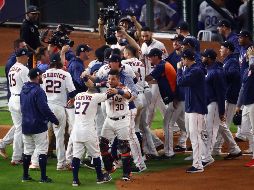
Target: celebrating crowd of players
108, 106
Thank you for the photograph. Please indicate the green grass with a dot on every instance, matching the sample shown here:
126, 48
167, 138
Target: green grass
5, 116
2, 73
11, 178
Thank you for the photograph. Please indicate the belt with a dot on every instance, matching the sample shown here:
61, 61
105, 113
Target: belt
15, 94
117, 118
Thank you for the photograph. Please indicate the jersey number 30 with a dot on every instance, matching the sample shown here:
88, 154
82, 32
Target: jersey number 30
53, 86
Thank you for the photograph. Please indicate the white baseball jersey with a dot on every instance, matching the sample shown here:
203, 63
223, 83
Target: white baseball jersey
210, 17
17, 76
138, 67
117, 106
146, 49
57, 83
104, 70
86, 105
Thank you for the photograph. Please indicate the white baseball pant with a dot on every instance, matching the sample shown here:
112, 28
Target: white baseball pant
59, 131
248, 130
8, 138
224, 132
171, 116
195, 127
134, 143
40, 142
14, 107
99, 119
70, 116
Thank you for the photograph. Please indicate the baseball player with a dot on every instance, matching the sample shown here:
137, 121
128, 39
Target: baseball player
35, 116
8, 139
193, 79
231, 70
57, 83
117, 124
156, 100
209, 18
84, 133
17, 75
215, 97
246, 98
165, 75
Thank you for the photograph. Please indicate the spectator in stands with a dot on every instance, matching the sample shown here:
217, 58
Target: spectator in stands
209, 18
174, 5
133, 6
162, 15
224, 28
243, 16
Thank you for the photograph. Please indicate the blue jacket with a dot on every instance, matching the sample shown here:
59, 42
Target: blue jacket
165, 75
233, 78
193, 78
234, 39
242, 59
11, 61
35, 110
75, 68
246, 96
173, 58
216, 87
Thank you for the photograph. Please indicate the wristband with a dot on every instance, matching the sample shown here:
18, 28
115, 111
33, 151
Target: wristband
85, 79
121, 92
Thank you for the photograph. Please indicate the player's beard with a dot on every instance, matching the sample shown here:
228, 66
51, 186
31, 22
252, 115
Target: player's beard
40, 80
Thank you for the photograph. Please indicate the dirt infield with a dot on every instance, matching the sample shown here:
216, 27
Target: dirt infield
222, 175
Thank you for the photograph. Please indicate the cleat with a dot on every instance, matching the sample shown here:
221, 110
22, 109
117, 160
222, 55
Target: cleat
138, 169
34, 167
194, 170
3, 153
205, 164
47, 180
112, 170
63, 168
160, 147
27, 179
237, 139
126, 177
178, 148
164, 157
250, 163
233, 156
106, 178
152, 157
16, 162
189, 158
76, 183
88, 164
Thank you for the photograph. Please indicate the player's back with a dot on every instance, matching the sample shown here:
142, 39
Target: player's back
138, 67
17, 76
57, 83
86, 108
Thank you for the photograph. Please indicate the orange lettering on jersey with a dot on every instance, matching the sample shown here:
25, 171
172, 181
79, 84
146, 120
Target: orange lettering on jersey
16, 69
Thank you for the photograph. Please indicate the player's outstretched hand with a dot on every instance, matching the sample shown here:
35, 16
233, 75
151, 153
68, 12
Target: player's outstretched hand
179, 65
84, 74
112, 91
222, 118
70, 103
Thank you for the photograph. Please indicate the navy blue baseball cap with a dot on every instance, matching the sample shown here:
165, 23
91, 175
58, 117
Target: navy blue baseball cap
183, 26
33, 73
225, 23
32, 9
178, 37
83, 48
210, 53
245, 33
155, 52
228, 45
189, 41
21, 52
114, 58
189, 54
55, 58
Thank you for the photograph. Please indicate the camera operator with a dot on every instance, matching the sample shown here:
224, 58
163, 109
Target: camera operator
29, 31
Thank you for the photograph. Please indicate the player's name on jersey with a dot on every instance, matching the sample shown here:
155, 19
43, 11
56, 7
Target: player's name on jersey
16, 69
57, 75
135, 64
86, 97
